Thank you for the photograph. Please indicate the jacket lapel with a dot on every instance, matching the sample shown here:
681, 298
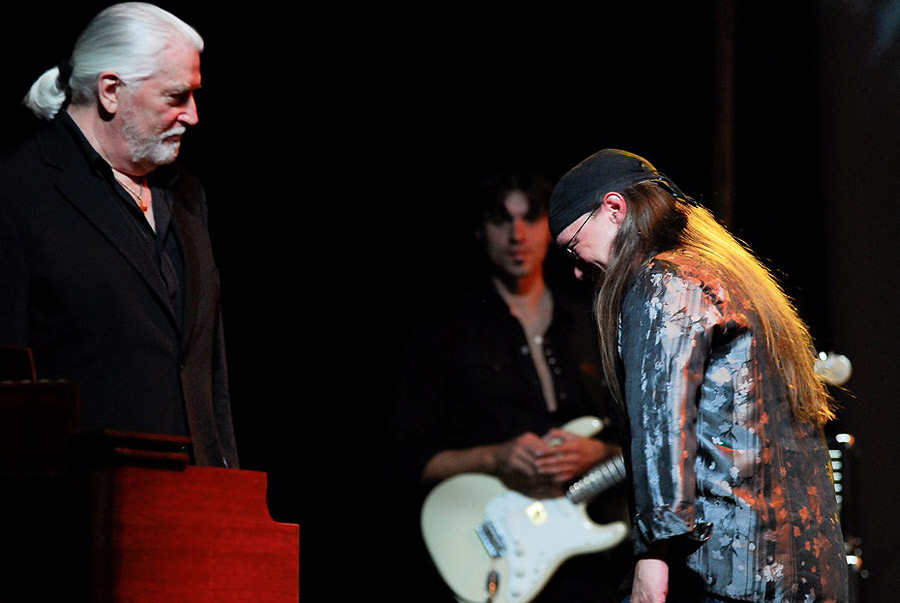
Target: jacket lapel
89, 194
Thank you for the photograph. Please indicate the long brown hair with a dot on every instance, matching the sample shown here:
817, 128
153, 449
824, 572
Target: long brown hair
657, 221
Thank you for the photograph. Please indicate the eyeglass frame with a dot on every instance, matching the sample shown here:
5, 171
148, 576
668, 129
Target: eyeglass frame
570, 245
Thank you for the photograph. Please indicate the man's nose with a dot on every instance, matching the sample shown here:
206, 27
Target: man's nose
517, 230
190, 116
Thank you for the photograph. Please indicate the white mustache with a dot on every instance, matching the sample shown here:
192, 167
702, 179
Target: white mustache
174, 131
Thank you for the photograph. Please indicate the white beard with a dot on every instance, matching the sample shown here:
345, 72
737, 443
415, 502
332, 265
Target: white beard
153, 148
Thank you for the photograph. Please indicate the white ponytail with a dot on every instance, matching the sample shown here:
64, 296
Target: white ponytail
46, 97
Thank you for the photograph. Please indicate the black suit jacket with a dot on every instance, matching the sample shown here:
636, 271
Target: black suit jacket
78, 288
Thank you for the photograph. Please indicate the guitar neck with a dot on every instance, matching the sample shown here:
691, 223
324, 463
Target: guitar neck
599, 479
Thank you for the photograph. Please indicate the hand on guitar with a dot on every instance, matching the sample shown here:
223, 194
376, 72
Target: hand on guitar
571, 455
538, 467
541, 467
512, 462
515, 464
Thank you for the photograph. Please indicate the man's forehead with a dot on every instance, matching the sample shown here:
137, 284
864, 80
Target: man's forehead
179, 67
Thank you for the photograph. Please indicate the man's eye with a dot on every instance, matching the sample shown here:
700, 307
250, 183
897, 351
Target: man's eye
180, 99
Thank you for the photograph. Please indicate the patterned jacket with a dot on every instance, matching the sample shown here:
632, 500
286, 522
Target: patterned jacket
719, 467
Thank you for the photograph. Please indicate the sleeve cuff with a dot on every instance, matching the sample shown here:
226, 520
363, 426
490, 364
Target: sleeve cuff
662, 523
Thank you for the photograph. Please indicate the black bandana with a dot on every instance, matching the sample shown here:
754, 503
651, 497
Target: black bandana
583, 187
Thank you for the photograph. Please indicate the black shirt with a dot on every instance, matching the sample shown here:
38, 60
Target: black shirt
468, 378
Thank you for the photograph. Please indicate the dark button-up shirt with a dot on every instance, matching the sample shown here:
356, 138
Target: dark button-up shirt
469, 378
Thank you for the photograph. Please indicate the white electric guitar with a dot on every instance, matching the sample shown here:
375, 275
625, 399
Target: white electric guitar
490, 543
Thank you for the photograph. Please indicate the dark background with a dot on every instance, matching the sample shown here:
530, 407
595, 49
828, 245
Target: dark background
337, 149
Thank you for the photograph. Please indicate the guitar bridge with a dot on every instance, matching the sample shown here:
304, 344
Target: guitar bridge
491, 539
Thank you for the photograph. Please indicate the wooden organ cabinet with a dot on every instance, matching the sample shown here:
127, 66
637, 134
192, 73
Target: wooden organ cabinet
115, 517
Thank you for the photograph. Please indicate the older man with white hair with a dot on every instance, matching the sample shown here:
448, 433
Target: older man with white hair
106, 266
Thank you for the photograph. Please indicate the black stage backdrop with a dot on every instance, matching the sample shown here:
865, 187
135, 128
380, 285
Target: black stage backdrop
337, 148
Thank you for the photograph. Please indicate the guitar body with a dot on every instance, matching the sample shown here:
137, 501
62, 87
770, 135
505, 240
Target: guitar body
533, 537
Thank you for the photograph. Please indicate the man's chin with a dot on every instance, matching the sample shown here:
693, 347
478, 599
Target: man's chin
519, 270
166, 153
172, 150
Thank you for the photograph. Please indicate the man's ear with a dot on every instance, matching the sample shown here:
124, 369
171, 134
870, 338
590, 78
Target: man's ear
109, 88
617, 206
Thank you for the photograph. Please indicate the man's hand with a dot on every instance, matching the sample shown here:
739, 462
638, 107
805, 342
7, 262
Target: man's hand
571, 455
538, 467
651, 581
516, 466
651, 575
